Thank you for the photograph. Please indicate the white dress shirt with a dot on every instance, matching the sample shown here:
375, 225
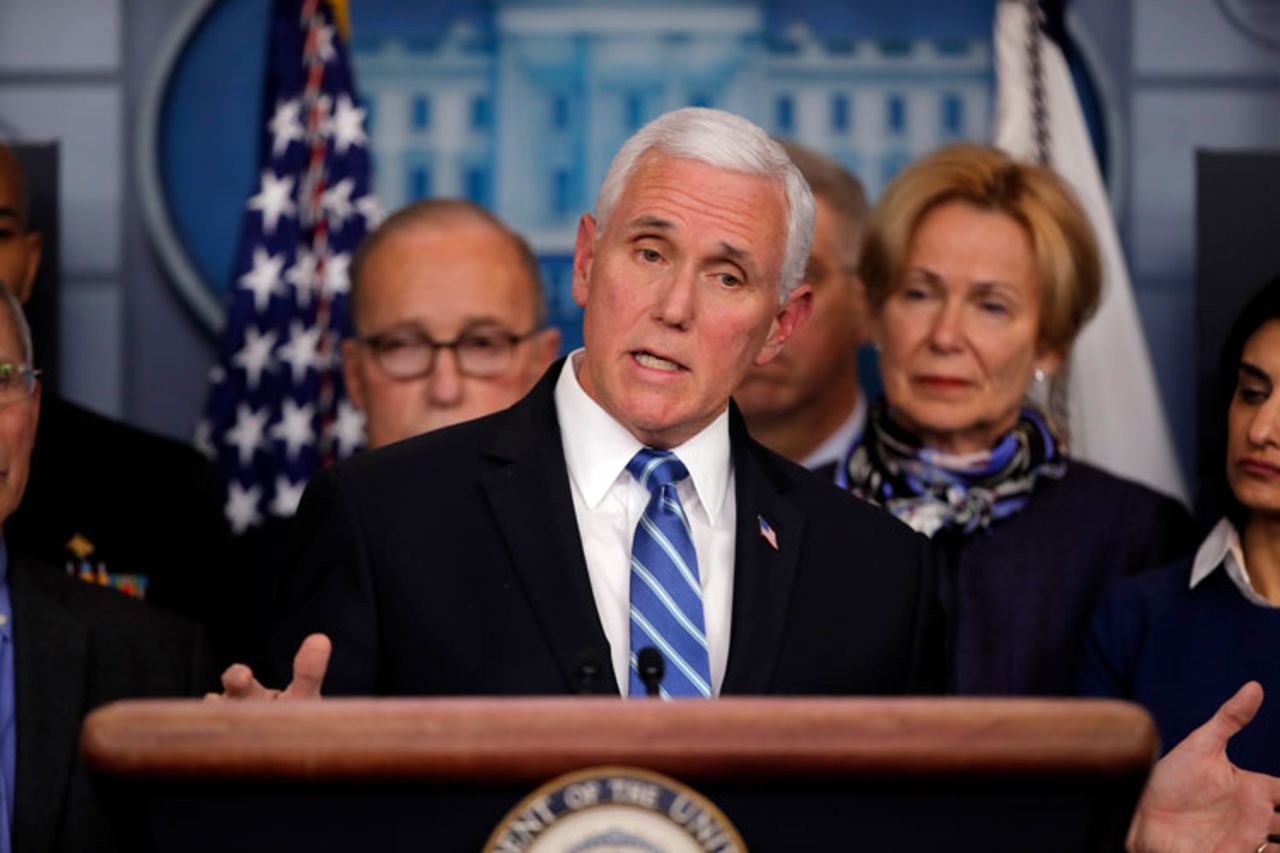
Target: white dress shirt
608, 503
1222, 548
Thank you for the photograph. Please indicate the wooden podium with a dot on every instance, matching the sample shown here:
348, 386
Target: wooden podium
791, 774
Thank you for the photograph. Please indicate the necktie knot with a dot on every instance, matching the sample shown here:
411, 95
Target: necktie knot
654, 469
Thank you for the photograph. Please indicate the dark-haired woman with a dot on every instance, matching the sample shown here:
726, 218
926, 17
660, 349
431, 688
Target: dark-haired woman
1183, 639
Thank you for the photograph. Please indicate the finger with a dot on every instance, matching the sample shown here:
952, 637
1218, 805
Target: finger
309, 666
214, 697
238, 683
1234, 714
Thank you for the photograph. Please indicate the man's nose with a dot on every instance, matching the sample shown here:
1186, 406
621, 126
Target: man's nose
676, 300
444, 384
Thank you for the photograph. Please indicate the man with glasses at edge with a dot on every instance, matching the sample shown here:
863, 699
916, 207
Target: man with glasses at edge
449, 320
66, 647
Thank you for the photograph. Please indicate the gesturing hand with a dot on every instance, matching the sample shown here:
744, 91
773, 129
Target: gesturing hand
309, 666
1198, 801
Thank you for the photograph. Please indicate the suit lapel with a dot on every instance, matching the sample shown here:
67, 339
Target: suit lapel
762, 574
533, 505
50, 660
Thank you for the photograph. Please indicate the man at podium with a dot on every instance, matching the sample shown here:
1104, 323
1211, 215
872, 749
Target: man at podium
620, 515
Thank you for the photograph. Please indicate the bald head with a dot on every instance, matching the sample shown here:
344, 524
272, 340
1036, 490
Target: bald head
437, 218
433, 274
19, 245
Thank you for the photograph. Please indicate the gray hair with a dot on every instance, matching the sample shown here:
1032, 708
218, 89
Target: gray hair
18, 321
725, 141
448, 213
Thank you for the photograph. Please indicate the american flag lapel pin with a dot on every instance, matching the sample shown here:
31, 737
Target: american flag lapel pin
767, 533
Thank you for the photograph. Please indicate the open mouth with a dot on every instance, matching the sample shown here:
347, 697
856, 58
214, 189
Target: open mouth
656, 362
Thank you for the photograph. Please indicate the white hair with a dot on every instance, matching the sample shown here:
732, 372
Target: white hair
726, 141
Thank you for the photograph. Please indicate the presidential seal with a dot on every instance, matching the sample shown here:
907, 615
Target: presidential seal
615, 810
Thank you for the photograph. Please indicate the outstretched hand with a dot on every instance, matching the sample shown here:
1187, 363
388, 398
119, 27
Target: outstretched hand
1198, 801
309, 666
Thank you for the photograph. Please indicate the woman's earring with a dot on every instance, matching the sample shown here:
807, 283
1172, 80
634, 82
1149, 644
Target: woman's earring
1040, 375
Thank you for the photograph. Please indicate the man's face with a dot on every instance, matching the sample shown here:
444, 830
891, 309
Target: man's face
442, 282
680, 290
19, 247
819, 360
17, 427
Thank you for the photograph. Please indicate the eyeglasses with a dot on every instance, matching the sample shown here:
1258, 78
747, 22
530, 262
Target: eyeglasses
411, 353
17, 382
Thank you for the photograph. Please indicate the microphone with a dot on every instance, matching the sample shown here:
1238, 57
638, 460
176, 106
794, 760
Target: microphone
589, 673
649, 662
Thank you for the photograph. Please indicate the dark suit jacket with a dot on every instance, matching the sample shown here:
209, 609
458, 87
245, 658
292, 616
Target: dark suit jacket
451, 564
1019, 595
149, 505
77, 646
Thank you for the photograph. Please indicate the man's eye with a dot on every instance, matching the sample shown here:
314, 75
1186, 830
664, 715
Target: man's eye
651, 256
400, 343
482, 342
730, 280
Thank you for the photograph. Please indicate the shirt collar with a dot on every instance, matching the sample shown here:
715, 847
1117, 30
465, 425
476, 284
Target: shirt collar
833, 450
602, 447
1222, 548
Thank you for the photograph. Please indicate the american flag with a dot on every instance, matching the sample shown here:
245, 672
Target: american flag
277, 408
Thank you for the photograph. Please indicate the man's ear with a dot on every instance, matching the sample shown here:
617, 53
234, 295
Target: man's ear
584, 255
35, 405
793, 312
861, 309
351, 356
26, 282
548, 347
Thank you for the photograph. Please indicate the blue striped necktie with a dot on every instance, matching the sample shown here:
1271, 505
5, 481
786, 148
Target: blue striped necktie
666, 594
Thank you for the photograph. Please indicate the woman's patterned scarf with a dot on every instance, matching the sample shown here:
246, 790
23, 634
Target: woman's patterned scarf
931, 490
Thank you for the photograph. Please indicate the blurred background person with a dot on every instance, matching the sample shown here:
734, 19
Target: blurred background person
806, 404
449, 323
1181, 639
980, 271
449, 317
107, 502
66, 647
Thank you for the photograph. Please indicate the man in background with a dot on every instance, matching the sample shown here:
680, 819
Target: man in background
66, 647
805, 404
107, 502
449, 319
449, 324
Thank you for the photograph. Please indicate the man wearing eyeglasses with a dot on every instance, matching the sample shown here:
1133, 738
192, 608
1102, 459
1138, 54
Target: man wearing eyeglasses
449, 318
66, 647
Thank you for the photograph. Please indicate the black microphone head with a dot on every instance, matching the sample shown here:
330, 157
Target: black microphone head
650, 663
590, 675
